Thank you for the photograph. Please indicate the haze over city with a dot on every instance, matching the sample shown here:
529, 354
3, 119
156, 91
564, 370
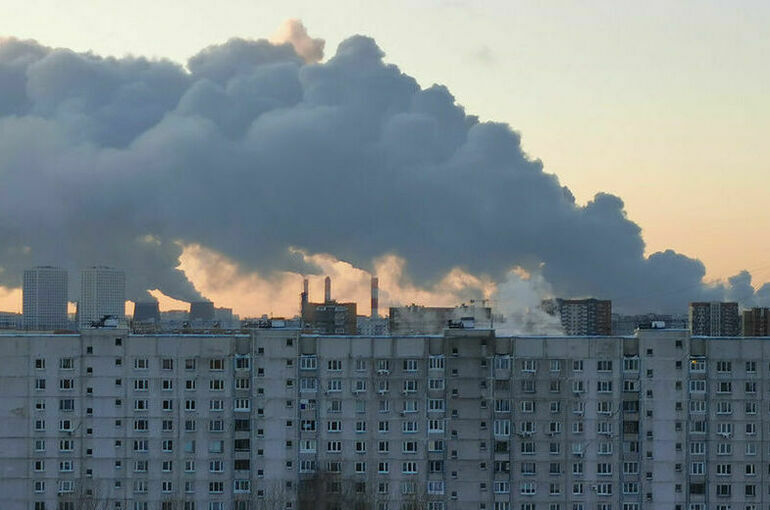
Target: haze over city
230, 151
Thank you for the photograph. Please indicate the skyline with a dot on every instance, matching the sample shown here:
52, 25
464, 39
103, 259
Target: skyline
714, 222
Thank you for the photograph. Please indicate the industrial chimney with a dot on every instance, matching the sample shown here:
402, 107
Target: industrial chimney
375, 296
304, 296
327, 290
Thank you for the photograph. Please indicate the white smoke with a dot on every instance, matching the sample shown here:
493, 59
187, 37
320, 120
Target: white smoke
517, 305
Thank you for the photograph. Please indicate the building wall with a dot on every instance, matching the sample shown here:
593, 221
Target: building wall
563, 423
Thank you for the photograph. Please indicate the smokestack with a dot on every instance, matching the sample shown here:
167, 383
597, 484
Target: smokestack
375, 296
327, 289
304, 295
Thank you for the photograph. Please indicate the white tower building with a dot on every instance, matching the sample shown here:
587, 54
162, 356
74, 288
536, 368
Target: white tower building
45, 298
102, 292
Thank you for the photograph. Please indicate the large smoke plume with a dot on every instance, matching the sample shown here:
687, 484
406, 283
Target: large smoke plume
257, 150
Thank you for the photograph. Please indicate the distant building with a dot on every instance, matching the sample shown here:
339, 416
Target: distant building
147, 311
372, 326
432, 320
45, 298
329, 317
226, 319
201, 310
627, 324
10, 320
714, 319
581, 317
755, 322
102, 293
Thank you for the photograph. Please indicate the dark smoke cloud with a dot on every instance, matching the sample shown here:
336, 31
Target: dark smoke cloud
251, 150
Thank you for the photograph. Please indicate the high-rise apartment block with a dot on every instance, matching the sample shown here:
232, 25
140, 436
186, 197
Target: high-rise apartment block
714, 319
581, 317
756, 322
464, 420
45, 298
102, 293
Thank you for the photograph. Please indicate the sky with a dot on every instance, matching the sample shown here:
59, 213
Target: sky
664, 104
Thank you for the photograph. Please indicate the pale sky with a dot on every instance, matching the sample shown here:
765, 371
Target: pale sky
666, 104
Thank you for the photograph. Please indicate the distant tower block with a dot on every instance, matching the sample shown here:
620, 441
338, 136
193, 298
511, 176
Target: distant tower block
327, 290
202, 310
146, 311
102, 293
45, 298
375, 296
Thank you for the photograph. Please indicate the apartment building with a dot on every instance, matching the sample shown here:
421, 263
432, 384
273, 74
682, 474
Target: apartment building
45, 298
715, 319
582, 317
102, 293
465, 420
755, 322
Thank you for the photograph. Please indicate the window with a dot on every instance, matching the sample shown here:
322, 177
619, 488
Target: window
724, 449
725, 387
604, 407
724, 367
529, 365
410, 365
502, 362
631, 364
698, 386
436, 363
604, 366
436, 384
216, 364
